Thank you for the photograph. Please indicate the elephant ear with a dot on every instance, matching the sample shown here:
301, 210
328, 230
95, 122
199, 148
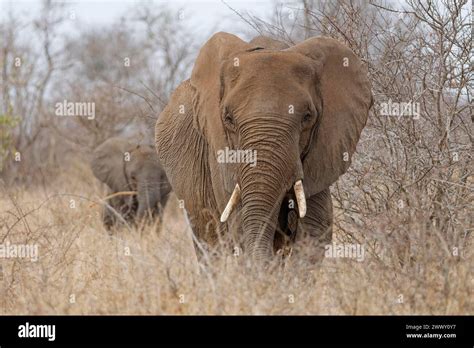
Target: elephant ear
206, 80
108, 163
342, 82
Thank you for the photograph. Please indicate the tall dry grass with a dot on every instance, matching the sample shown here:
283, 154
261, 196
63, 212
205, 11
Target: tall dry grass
153, 270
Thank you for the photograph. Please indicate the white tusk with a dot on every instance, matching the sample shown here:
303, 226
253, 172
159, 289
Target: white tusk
300, 198
234, 199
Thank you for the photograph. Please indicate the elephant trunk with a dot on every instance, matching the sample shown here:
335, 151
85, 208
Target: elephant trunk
264, 186
148, 190
260, 207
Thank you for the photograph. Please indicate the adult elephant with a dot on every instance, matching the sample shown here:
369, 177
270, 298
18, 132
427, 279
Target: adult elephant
300, 108
125, 166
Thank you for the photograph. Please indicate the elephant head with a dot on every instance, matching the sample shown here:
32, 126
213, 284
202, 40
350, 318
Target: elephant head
299, 109
125, 166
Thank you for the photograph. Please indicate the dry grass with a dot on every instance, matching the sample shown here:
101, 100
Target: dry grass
83, 270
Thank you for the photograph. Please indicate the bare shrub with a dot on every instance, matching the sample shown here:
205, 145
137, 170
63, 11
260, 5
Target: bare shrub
125, 71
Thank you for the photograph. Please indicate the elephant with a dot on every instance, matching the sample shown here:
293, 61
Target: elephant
299, 109
125, 166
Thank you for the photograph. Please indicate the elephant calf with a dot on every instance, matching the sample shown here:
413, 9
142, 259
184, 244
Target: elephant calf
125, 166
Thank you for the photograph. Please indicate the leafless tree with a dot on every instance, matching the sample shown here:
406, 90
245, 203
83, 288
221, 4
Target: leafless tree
127, 70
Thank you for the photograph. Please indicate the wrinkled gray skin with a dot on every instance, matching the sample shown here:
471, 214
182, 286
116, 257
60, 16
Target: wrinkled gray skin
239, 96
125, 166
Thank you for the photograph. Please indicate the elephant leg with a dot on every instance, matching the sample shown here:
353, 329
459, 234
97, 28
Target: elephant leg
110, 209
208, 232
287, 225
315, 229
128, 208
108, 217
124, 207
197, 232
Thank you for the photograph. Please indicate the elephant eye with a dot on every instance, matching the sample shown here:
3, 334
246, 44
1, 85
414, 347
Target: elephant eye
229, 119
307, 117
